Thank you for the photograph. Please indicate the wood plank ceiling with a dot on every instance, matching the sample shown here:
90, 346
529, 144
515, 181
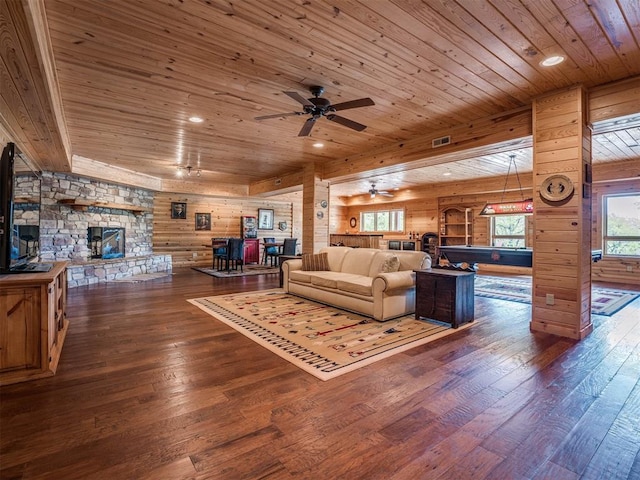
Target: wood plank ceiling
130, 73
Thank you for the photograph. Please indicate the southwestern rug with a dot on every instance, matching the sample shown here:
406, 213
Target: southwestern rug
321, 340
248, 270
603, 301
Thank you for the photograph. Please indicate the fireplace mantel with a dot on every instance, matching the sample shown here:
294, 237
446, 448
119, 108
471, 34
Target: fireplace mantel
79, 204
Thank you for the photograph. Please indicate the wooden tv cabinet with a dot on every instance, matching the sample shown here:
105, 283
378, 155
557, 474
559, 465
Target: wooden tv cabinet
33, 323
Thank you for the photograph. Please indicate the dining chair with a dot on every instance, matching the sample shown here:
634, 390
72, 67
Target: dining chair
289, 246
269, 252
219, 252
235, 254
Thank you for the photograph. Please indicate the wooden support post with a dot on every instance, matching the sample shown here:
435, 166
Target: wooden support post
315, 217
561, 289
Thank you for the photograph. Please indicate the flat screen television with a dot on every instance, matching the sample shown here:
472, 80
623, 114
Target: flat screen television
6, 206
14, 258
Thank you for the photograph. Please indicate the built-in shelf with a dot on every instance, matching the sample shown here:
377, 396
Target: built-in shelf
79, 204
456, 225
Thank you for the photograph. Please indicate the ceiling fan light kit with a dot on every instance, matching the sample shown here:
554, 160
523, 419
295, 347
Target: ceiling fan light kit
373, 191
318, 107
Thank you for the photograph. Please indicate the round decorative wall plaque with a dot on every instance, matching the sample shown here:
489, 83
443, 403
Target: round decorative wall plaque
353, 222
556, 188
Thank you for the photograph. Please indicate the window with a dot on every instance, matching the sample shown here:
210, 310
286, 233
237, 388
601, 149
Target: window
621, 225
382, 221
508, 231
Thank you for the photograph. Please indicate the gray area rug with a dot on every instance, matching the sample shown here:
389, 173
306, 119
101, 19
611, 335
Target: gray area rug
247, 271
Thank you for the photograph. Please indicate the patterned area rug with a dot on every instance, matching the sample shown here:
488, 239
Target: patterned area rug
321, 340
603, 302
248, 270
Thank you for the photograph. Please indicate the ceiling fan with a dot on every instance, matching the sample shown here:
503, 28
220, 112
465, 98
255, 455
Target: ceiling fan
373, 191
321, 107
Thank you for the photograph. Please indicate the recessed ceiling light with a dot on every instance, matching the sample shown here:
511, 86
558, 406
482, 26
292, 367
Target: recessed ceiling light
446, 174
318, 144
196, 119
551, 61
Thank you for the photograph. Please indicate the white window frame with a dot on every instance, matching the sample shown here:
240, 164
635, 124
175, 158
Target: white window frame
606, 238
396, 215
522, 237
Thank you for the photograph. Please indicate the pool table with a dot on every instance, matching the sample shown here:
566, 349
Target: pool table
518, 257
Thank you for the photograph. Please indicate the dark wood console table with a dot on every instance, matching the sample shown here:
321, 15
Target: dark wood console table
445, 296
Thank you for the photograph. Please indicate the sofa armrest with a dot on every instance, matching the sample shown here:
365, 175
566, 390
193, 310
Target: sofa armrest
384, 282
287, 267
290, 265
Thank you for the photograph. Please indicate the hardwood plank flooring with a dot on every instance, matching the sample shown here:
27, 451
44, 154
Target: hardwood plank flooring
150, 387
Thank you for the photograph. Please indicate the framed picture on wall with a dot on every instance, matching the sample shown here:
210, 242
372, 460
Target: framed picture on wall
265, 219
203, 221
178, 210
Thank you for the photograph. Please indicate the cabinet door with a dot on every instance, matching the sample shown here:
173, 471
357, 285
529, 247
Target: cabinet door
251, 250
19, 328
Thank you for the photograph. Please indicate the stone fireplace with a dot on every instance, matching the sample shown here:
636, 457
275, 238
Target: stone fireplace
92, 239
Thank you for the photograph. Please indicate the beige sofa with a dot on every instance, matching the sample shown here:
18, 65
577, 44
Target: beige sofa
359, 280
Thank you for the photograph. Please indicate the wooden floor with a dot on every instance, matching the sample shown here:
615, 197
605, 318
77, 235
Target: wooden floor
150, 387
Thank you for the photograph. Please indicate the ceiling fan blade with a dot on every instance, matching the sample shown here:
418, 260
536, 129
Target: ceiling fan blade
385, 194
277, 115
363, 102
346, 122
306, 128
299, 98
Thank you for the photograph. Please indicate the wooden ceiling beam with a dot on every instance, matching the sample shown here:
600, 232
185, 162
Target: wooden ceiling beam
615, 106
511, 129
39, 27
286, 183
32, 116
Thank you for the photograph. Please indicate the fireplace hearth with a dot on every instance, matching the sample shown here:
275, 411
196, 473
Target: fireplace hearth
106, 242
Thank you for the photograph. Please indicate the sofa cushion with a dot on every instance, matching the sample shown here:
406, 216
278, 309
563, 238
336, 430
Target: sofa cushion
315, 262
384, 262
358, 261
325, 279
336, 255
357, 284
299, 276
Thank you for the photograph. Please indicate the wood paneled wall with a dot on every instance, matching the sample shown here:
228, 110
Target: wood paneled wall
422, 207
186, 245
315, 218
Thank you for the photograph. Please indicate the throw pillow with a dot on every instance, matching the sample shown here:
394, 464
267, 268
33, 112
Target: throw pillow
391, 264
315, 262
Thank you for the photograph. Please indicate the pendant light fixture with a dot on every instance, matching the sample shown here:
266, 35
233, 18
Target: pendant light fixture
523, 207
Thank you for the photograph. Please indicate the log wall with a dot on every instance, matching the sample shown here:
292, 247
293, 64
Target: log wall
180, 239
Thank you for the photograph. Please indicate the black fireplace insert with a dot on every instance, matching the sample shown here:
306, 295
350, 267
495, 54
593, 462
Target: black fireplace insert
106, 242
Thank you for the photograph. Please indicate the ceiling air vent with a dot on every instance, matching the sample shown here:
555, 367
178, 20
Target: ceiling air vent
439, 142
